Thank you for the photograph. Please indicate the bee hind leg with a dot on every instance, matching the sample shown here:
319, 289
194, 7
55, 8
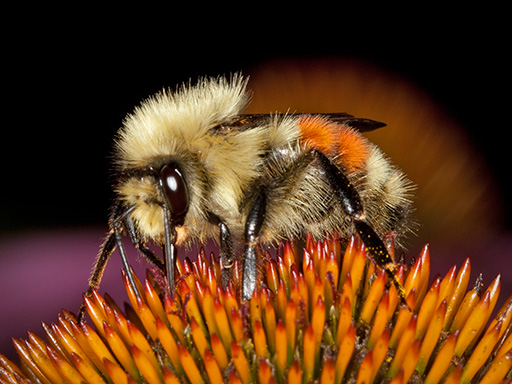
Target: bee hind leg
353, 207
375, 246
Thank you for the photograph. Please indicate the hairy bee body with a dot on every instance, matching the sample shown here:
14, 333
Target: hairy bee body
190, 166
225, 165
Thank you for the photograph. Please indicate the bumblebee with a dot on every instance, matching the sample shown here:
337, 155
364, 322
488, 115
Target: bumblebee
190, 166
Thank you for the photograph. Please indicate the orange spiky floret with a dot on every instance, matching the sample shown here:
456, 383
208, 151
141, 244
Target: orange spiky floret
322, 315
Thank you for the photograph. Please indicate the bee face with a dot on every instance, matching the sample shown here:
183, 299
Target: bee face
191, 166
148, 189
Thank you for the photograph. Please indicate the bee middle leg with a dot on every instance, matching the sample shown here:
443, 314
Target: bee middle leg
227, 258
226, 254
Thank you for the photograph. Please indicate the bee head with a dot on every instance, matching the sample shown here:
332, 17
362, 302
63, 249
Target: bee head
147, 191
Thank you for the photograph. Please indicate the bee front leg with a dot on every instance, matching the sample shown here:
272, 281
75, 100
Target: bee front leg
107, 249
117, 222
140, 245
124, 258
252, 228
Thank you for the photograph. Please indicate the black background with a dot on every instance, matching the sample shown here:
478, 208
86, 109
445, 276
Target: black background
70, 82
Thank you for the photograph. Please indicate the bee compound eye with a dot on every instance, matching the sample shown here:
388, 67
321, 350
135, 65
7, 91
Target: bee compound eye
175, 191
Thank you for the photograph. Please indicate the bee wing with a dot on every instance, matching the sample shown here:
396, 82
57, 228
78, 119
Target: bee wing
244, 122
361, 124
